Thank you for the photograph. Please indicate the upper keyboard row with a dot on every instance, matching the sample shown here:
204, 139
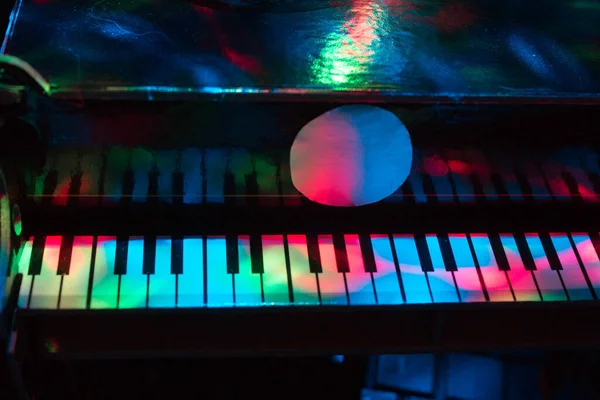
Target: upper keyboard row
194, 176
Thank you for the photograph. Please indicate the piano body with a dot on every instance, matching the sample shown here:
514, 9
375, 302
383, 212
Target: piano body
146, 205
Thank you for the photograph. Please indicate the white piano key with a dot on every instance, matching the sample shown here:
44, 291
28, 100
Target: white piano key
190, 284
413, 277
386, 281
66, 167
482, 171
331, 282
441, 281
134, 283
467, 278
240, 165
304, 282
266, 177
547, 279
520, 279
275, 277
571, 273
91, 166
74, 290
166, 161
24, 260
215, 161
219, 282
495, 280
360, 285
589, 257
141, 164
291, 196
106, 284
191, 166
162, 285
46, 285
117, 162
248, 290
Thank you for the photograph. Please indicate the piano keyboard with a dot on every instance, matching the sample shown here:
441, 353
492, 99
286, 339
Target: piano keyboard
194, 176
97, 272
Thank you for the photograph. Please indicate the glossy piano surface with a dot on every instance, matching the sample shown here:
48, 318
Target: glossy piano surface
397, 49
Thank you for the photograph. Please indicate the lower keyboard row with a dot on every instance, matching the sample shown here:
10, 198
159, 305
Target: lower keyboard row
100, 272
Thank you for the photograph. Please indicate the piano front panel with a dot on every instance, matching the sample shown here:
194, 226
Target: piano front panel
60, 272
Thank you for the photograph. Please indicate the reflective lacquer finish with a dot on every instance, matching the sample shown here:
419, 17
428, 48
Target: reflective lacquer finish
403, 48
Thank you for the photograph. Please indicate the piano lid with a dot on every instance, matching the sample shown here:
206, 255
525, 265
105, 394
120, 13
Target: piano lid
397, 50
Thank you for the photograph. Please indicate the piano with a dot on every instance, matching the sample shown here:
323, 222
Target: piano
147, 208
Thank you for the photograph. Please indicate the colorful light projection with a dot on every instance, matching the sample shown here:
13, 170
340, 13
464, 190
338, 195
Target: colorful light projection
72, 175
349, 51
544, 175
249, 287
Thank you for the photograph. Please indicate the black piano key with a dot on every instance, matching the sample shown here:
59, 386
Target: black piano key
128, 185
424, 256
229, 189
37, 254
366, 248
341, 257
252, 189
500, 187
279, 183
121, 255
550, 251
314, 254
288, 266
205, 261
408, 194
525, 252
74, 189
429, 189
582, 266
231, 244
177, 255
64, 257
256, 254
90, 283
498, 250
478, 267
447, 254
595, 181
572, 186
178, 184
50, 184
149, 261
397, 265
153, 185
478, 190
525, 186
595, 239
